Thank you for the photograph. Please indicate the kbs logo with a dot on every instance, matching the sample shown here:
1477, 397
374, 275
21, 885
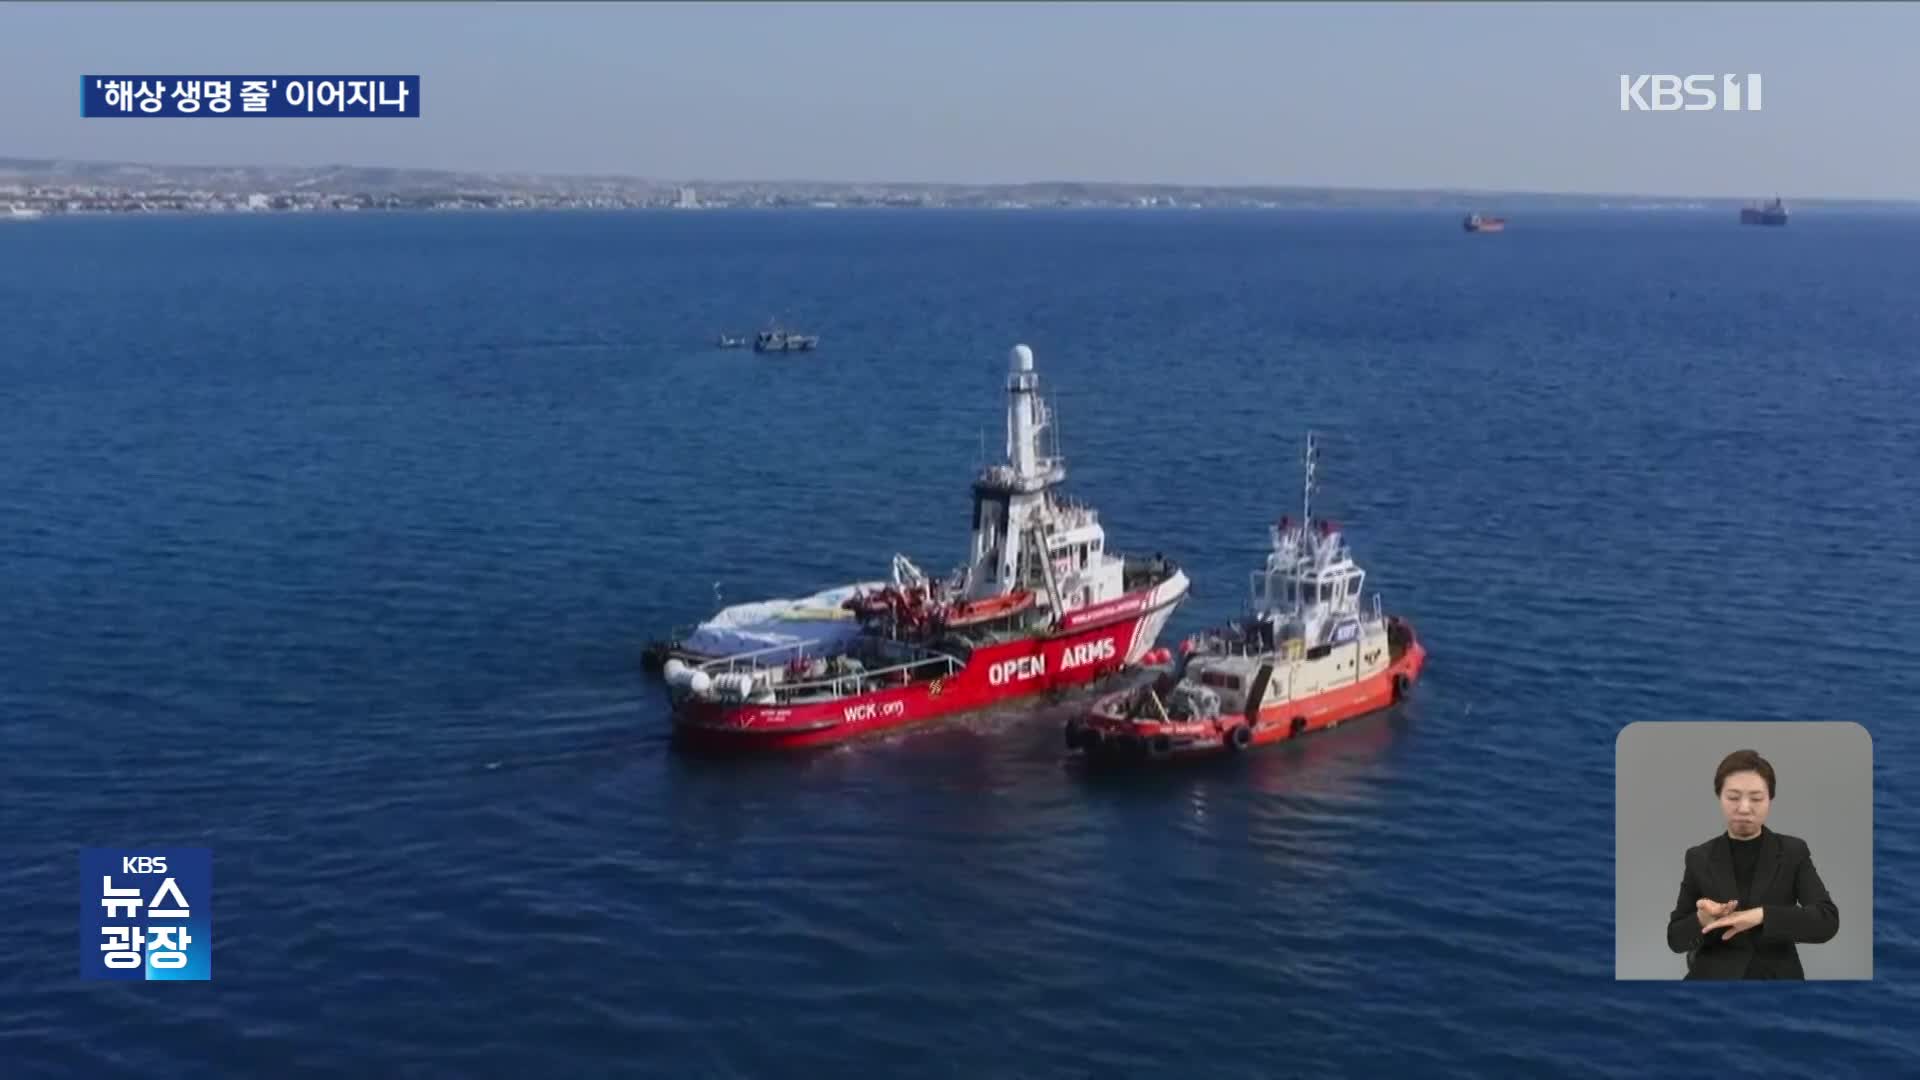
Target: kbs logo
146, 916
1090, 652
1020, 670
1691, 93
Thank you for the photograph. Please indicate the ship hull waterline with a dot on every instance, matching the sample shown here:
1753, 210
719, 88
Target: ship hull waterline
996, 674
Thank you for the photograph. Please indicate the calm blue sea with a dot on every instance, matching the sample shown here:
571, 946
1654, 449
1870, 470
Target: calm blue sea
331, 542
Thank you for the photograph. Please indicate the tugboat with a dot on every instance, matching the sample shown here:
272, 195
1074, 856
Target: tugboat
1308, 656
1773, 213
1041, 604
1481, 223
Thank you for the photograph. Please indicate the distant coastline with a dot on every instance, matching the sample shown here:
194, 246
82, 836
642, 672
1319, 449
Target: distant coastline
52, 187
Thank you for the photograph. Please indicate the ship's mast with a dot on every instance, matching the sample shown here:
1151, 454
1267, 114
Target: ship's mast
1025, 415
1011, 499
1310, 459
1306, 488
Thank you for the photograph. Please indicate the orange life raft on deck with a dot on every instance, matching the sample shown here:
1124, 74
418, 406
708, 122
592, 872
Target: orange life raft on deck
972, 612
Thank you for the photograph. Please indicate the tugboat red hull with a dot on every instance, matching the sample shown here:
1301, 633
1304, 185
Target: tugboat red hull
1095, 642
1104, 737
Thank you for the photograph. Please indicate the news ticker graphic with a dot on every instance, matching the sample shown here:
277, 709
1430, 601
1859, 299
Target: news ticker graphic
146, 913
265, 96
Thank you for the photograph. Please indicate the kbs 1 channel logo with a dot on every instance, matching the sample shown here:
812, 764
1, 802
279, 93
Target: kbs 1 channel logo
147, 914
1689, 93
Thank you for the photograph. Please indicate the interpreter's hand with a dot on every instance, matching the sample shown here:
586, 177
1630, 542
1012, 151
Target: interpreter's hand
1709, 910
1737, 922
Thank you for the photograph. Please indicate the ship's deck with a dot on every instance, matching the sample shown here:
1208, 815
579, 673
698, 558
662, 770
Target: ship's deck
1138, 574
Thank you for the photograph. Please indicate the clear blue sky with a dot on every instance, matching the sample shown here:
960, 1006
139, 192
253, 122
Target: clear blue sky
1505, 95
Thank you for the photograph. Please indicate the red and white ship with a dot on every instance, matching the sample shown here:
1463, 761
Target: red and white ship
1309, 655
1040, 605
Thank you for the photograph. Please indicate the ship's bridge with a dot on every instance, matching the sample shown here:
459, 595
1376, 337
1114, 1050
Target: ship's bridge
1310, 585
999, 481
1307, 566
1025, 534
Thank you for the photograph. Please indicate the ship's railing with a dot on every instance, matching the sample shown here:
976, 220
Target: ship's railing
777, 656
1046, 471
1140, 571
1075, 518
853, 682
754, 660
1225, 647
1073, 509
1260, 606
764, 660
1226, 643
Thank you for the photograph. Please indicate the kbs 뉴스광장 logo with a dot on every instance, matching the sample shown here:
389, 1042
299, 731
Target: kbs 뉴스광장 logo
146, 913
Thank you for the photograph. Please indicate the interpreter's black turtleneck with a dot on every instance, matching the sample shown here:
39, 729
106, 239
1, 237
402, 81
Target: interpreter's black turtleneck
1745, 854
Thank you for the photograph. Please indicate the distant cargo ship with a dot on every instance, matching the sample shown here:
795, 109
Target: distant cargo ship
1482, 223
1773, 213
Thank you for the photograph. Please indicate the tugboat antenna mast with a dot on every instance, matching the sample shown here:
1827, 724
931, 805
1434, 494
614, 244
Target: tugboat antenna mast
1306, 489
